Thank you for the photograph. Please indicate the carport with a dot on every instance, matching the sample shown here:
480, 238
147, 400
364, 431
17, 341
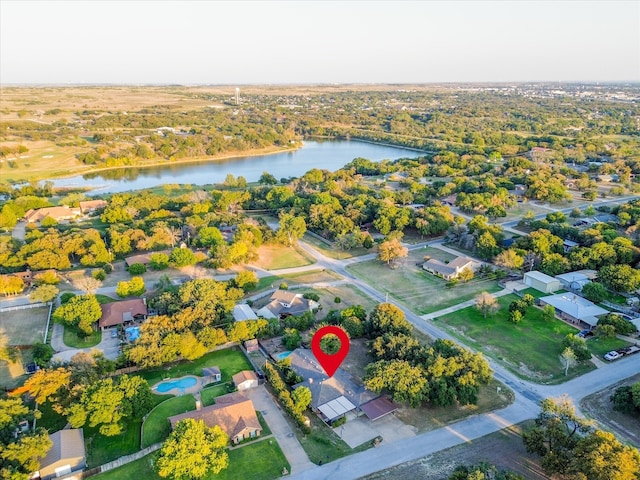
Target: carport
378, 408
336, 408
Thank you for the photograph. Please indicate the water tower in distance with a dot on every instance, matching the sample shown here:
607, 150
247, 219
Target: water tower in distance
237, 96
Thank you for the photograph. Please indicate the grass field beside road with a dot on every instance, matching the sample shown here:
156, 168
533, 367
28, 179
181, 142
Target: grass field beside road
416, 288
24, 327
531, 349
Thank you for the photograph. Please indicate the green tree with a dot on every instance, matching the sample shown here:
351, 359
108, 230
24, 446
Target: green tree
406, 383
158, 261
600, 455
595, 292
390, 250
81, 312
387, 318
44, 293
100, 404
45, 384
621, 325
291, 229
267, 179
181, 257
556, 434
301, 397
247, 280
291, 338
621, 278
568, 359
548, 313
578, 345
137, 269
515, 317
192, 451
481, 472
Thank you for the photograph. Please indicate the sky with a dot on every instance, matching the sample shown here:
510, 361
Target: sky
312, 42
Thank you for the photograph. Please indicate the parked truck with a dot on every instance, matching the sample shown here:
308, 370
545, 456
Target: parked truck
621, 352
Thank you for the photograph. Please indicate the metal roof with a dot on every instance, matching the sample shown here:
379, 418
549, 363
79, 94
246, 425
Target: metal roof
336, 408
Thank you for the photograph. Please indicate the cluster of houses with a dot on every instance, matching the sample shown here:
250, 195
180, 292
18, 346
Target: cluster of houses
569, 305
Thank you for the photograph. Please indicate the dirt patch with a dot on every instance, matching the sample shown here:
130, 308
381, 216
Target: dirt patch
503, 449
599, 407
357, 359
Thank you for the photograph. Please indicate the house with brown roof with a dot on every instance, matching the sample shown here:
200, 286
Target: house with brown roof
67, 455
91, 206
451, 270
122, 313
284, 303
57, 213
245, 379
234, 413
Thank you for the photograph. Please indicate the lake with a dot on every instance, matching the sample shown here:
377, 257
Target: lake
327, 155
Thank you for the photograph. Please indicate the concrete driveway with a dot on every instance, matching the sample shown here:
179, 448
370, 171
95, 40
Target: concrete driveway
360, 430
109, 345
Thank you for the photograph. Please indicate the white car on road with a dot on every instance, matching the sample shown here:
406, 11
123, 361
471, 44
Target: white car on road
612, 355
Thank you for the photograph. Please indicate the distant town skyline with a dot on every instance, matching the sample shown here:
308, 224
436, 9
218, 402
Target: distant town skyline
300, 42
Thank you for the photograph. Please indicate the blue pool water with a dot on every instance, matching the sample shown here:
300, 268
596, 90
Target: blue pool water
182, 383
134, 332
283, 355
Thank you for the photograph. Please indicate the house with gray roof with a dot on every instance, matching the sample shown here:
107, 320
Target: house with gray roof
66, 456
284, 303
451, 270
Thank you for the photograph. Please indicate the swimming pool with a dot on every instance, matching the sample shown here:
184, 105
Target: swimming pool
181, 383
134, 332
283, 355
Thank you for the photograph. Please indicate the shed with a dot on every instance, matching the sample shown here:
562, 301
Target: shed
245, 379
573, 280
541, 282
378, 408
242, 312
66, 455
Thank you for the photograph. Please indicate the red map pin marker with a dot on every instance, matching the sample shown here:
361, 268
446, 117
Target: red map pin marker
330, 363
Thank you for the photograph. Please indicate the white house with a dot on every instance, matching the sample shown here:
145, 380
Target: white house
451, 270
574, 308
285, 303
245, 379
541, 282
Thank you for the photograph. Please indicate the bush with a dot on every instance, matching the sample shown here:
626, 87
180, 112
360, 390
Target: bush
311, 296
158, 261
107, 267
42, 353
338, 422
337, 300
284, 286
137, 269
65, 297
621, 325
99, 274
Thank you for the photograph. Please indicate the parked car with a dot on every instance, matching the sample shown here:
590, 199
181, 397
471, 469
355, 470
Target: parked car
612, 355
585, 334
114, 333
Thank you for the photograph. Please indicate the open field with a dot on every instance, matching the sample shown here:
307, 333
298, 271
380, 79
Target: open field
24, 327
275, 257
599, 407
328, 248
348, 295
12, 374
262, 460
503, 449
419, 290
531, 349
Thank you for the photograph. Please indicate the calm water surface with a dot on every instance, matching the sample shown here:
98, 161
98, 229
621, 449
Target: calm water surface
328, 155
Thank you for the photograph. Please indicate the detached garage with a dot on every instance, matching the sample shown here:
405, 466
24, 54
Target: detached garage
541, 282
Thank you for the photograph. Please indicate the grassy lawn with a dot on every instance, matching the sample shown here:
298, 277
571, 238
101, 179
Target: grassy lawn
530, 349
230, 361
156, 426
265, 427
275, 257
101, 449
209, 394
323, 444
24, 327
262, 460
50, 420
72, 339
600, 346
265, 283
417, 289
104, 299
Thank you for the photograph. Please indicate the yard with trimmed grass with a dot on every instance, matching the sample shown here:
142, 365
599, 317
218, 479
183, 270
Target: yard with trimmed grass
209, 394
71, 338
230, 360
600, 346
156, 427
416, 288
275, 257
530, 349
261, 460
330, 250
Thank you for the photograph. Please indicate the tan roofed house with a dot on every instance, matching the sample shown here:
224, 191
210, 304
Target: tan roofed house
450, 270
92, 205
234, 413
67, 455
57, 213
119, 313
245, 379
283, 303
